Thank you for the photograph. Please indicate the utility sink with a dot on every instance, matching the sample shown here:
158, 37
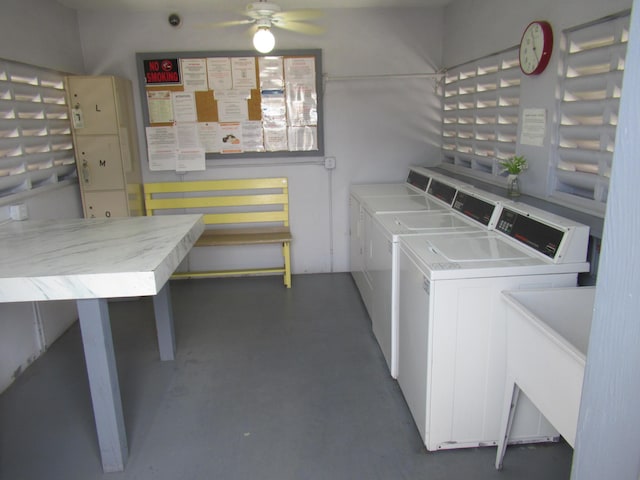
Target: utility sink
547, 339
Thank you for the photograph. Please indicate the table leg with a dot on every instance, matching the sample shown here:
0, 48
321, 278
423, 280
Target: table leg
164, 323
103, 382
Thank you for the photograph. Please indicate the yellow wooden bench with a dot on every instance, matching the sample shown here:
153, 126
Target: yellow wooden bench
236, 212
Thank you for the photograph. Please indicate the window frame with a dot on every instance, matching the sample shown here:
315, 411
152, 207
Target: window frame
36, 145
582, 156
488, 92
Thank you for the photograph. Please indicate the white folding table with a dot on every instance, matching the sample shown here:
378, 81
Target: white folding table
90, 261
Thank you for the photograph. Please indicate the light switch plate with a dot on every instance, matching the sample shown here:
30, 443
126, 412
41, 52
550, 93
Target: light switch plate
18, 212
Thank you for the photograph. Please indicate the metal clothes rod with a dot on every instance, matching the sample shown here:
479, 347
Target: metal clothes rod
500, 52
330, 78
598, 21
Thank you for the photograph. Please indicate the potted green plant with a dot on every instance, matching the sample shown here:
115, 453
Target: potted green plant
514, 167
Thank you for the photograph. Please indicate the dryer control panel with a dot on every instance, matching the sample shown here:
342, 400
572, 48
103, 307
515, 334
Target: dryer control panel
418, 180
531, 232
475, 208
442, 191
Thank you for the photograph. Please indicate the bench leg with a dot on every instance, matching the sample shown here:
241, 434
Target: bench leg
511, 394
287, 264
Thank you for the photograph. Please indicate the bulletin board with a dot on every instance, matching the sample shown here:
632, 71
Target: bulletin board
199, 106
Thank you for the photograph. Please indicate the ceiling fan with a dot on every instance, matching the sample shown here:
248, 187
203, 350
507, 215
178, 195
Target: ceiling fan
263, 15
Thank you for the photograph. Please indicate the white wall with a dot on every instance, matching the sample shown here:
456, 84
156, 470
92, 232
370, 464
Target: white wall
48, 38
474, 30
28, 329
608, 436
375, 128
40, 32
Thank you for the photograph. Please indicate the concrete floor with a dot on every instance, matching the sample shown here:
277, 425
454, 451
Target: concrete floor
268, 383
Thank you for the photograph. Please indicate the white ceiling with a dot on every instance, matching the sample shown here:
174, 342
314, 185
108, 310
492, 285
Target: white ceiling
235, 5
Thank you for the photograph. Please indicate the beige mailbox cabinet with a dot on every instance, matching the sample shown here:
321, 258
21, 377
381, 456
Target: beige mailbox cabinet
105, 142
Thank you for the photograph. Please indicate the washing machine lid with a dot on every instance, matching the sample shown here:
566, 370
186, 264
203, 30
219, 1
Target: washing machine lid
418, 221
476, 248
458, 255
408, 203
384, 189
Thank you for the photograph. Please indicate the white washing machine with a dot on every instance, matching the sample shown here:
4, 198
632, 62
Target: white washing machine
452, 323
438, 199
428, 172
367, 200
471, 212
415, 184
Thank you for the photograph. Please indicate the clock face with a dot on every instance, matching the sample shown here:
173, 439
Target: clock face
535, 48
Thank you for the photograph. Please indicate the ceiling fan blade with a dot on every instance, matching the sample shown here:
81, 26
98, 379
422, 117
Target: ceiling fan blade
297, 15
232, 23
299, 27
250, 32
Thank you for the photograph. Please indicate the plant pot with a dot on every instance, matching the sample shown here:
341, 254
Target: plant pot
513, 185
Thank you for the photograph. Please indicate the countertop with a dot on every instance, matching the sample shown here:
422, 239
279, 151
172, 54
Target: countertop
92, 258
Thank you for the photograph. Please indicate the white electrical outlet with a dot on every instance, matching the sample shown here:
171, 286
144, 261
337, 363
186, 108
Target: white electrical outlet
18, 212
329, 163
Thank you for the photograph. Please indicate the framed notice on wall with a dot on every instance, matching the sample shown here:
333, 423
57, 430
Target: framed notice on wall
207, 105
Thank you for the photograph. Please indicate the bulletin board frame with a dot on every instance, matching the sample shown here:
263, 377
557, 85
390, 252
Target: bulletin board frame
204, 101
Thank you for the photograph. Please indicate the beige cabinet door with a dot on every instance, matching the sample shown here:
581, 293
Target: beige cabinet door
93, 105
105, 204
105, 145
99, 162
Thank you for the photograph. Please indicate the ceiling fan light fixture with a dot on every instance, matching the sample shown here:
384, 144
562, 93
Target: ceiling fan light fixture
263, 40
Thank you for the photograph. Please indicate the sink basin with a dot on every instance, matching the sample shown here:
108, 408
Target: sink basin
547, 339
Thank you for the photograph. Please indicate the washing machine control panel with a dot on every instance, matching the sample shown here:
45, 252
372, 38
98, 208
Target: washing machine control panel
475, 208
418, 180
442, 191
531, 232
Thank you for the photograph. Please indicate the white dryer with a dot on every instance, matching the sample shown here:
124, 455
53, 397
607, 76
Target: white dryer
471, 212
451, 324
415, 185
439, 195
365, 204
438, 199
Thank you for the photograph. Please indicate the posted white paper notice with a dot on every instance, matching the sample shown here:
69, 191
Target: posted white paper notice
208, 136
184, 107
160, 106
252, 138
194, 74
534, 126
219, 73
162, 146
243, 72
230, 137
189, 160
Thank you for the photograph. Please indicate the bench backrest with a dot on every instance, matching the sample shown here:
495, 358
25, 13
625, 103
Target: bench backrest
238, 201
